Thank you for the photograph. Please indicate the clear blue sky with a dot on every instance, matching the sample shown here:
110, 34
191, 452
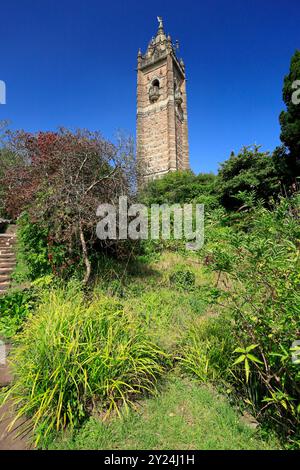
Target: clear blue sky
72, 63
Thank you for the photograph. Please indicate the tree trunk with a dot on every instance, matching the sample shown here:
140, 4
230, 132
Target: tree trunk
85, 256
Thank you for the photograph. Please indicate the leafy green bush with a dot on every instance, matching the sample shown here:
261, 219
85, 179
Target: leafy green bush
263, 295
266, 312
14, 309
181, 187
32, 241
38, 255
183, 279
74, 357
250, 172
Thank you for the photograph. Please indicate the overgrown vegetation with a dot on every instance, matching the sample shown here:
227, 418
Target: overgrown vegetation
185, 416
265, 304
15, 308
60, 179
258, 275
290, 119
76, 356
226, 316
101, 328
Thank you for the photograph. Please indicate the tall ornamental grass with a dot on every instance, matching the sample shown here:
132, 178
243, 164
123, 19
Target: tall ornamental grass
74, 357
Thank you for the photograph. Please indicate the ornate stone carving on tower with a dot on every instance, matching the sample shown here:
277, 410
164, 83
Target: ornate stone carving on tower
162, 131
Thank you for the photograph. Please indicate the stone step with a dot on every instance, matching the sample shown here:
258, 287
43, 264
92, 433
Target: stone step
10, 253
8, 258
4, 286
7, 263
7, 249
11, 229
6, 270
7, 239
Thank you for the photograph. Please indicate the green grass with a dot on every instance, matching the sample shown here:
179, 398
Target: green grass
165, 314
86, 355
185, 415
164, 310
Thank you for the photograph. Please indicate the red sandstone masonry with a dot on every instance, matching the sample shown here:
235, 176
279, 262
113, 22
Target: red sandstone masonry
162, 135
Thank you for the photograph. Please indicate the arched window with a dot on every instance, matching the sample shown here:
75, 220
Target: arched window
154, 91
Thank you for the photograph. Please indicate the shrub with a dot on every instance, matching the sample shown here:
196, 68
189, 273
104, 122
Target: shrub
74, 357
32, 240
41, 255
14, 309
183, 279
250, 172
266, 313
62, 178
181, 187
263, 295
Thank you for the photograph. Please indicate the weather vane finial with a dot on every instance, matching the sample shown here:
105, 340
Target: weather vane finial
160, 21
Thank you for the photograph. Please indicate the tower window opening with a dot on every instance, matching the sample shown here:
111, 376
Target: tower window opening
154, 91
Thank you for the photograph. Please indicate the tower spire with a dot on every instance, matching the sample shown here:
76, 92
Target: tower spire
162, 132
161, 25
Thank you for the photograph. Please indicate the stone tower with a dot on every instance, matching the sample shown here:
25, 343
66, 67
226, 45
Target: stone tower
162, 131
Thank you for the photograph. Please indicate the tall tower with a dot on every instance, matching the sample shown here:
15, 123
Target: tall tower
162, 131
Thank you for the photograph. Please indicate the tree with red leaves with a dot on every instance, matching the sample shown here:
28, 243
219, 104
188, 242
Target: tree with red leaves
62, 178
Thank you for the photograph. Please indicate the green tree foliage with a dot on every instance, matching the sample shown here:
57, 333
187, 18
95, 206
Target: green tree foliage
14, 310
250, 173
8, 161
181, 187
290, 119
60, 181
260, 279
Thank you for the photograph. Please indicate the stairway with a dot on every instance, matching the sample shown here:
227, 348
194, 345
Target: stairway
9, 440
7, 258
